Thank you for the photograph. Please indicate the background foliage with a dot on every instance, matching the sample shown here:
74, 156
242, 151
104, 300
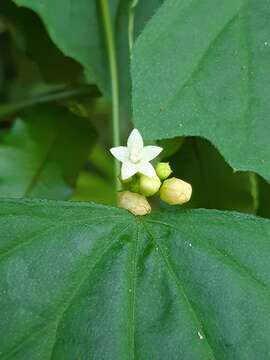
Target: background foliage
180, 283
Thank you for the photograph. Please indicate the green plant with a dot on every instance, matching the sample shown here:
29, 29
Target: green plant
81, 280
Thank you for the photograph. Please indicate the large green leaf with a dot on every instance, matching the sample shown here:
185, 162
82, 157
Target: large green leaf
43, 154
199, 68
143, 12
30, 36
74, 26
77, 29
84, 281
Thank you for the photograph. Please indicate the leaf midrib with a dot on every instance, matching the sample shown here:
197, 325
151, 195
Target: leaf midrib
132, 296
180, 288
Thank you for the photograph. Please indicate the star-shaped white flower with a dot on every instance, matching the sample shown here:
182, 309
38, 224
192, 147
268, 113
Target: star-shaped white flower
135, 157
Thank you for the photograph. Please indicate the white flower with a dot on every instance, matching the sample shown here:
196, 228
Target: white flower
135, 157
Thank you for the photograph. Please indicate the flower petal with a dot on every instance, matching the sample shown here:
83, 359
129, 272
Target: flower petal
135, 141
145, 168
150, 152
120, 153
128, 169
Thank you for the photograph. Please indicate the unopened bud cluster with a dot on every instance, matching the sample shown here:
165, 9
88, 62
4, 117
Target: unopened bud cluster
173, 191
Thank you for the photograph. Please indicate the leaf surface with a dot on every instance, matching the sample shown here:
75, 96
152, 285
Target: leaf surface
30, 37
43, 154
214, 184
82, 281
195, 74
77, 29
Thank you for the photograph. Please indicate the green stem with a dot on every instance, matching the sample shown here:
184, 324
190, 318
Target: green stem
65, 93
133, 4
109, 33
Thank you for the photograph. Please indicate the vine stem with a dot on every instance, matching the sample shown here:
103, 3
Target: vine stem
111, 48
133, 4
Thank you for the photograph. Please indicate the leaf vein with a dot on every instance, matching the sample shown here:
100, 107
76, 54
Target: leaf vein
35, 237
180, 288
214, 251
200, 61
86, 276
132, 296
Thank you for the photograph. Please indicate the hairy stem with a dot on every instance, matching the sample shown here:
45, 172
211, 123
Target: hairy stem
109, 33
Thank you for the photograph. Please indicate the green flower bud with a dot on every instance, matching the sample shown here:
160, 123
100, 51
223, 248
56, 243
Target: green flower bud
149, 185
135, 203
163, 170
175, 191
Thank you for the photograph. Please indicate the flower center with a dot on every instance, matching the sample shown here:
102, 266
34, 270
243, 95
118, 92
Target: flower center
135, 156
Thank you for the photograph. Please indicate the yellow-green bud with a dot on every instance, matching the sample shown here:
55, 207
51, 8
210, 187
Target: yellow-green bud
135, 203
149, 185
163, 170
175, 191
